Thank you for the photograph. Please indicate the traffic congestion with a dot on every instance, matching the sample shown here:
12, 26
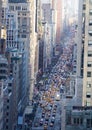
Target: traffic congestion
48, 114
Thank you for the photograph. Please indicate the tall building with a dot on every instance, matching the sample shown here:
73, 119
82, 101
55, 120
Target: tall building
0, 17
20, 17
80, 41
87, 68
59, 21
47, 20
84, 50
22, 51
1, 106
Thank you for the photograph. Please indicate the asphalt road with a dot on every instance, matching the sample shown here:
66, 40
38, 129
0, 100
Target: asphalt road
57, 123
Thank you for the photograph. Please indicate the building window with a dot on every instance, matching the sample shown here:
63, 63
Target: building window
88, 103
7, 100
90, 1
68, 119
90, 33
89, 43
11, 8
90, 23
89, 64
77, 120
7, 107
88, 74
84, 6
7, 127
89, 53
7, 120
7, 113
89, 84
24, 14
81, 121
90, 11
88, 95
18, 7
24, 36
74, 121
10, 84
24, 22
24, 8
89, 123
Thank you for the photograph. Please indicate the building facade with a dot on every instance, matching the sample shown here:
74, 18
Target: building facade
84, 50
1, 106
78, 118
59, 21
20, 17
87, 75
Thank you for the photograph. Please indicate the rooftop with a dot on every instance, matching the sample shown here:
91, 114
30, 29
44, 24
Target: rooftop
28, 110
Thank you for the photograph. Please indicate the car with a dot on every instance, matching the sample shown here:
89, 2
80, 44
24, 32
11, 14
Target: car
36, 124
51, 124
47, 118
55, 108
54, 111
43, 115
53, 120
53, 114
46, 122
49, 114
45, 126
57, 97
55, 105
41, 121
53, 117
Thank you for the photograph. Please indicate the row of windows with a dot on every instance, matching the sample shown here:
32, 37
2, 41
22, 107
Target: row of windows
3, 71
3, 65
78, 121
17, 8
9, 38
2, 77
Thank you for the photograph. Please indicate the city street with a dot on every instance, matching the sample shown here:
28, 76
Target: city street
44, 62
54, 89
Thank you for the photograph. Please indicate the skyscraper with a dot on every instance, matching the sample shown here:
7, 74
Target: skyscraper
59, 21
0, 17
84, 50
87, 68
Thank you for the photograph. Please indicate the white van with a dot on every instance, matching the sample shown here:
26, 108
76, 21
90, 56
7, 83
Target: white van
57, 97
